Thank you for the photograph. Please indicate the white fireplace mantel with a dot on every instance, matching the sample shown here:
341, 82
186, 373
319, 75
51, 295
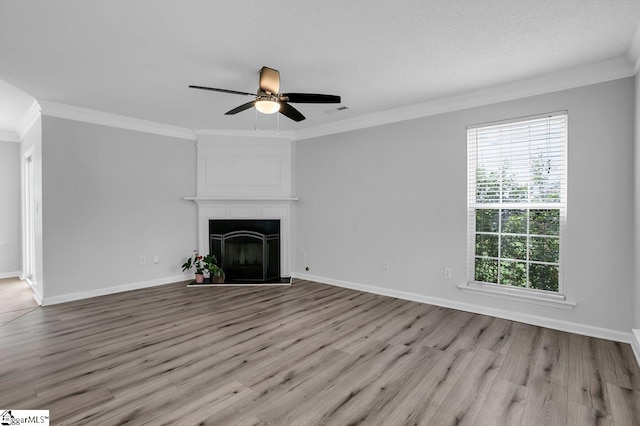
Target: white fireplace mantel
210, 208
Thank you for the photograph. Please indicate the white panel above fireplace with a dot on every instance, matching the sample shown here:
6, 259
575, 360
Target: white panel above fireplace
243, 167
243, 171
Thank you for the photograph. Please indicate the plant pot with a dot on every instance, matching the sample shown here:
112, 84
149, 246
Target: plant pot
199, 278
217, 279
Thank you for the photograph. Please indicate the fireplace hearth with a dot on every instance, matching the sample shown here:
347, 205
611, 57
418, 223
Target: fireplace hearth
247, 249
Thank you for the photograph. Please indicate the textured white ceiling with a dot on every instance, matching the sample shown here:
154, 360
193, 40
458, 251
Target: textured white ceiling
136, 58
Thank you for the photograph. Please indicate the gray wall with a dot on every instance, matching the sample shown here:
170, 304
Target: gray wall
10, 222
398, 192
111, 196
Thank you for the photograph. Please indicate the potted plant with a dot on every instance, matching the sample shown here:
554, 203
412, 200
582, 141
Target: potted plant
215, 272
202, 265
195, 262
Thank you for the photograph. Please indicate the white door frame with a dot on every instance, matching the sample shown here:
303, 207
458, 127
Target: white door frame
28, 219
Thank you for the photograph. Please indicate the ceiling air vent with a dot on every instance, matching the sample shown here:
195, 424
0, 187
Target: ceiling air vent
334, 110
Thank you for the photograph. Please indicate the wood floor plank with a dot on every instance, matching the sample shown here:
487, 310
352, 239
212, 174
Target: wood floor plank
497, 336
288, 385
6, 317
425, 398
580, 415
521, 357
73, 401
503, 405
625, 405
618, 365
424, 323
466, 398
202, 408
586, 384
20, 396
552, 359
17, 299
304, 354
339, 395
546, 404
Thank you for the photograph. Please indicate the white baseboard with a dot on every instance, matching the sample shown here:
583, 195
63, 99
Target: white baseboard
635, 344
239, 285
47, 301
571, 327
37, 297
14, 274
36, 294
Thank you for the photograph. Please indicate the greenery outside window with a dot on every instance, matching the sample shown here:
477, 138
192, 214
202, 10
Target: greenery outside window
517, 202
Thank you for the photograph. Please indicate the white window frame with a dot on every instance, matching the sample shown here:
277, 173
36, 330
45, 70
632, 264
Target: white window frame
545, 297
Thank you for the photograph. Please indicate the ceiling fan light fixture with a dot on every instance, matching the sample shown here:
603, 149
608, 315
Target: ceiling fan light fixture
267, 105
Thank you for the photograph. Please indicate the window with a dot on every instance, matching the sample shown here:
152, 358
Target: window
517, 202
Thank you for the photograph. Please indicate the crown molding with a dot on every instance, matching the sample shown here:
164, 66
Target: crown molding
28, 119
283, 134
634, 51
8, 136
70, 112
598, 72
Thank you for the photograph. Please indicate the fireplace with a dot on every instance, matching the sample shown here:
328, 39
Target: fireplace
248, 211
247, 249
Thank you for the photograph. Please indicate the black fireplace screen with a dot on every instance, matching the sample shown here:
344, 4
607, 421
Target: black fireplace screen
247, 250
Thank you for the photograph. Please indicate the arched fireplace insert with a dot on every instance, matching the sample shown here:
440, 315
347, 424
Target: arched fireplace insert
247, 250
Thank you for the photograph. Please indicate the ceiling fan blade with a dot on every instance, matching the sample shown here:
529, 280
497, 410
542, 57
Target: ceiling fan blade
311, 98
269, 80
289, 111
240, 108
235, 92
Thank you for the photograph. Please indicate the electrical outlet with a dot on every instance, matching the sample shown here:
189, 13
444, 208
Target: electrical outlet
156, 259
447, 272
143, 260
386, 265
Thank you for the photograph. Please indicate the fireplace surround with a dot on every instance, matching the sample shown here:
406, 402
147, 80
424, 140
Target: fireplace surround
249, 209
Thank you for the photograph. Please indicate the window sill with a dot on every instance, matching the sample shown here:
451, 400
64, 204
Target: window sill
518, 295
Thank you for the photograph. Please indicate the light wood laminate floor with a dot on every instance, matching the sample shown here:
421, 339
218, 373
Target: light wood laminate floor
304, 355
16, 299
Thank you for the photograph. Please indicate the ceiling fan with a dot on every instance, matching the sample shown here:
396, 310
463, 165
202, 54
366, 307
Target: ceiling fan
269, 100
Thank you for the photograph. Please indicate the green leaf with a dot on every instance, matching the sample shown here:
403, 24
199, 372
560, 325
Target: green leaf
486, 220
486, 270
514, 247
543, 277
514, 221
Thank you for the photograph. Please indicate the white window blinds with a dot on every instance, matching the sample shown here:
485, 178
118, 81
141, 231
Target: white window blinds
518, 162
